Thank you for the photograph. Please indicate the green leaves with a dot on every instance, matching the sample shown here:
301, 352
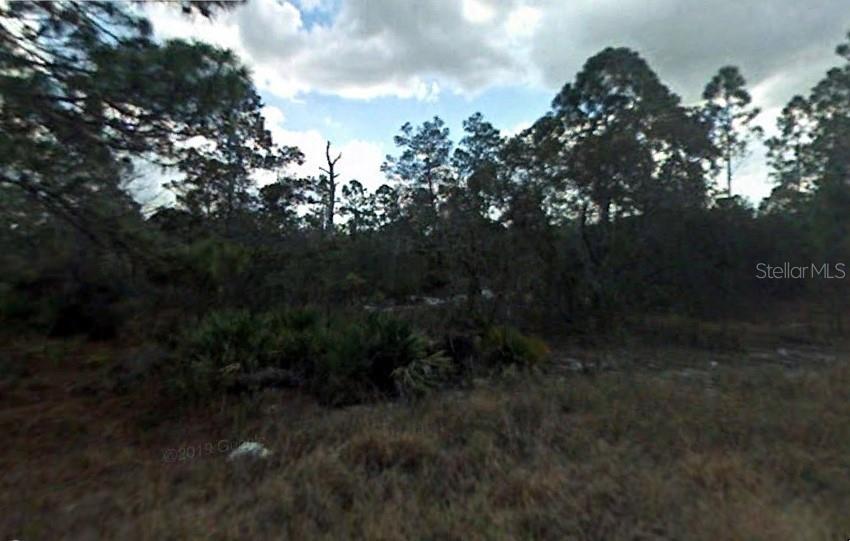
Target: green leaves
506, 346
728, 112
620, 138
342, 361
86, 90
810, 158
422, 169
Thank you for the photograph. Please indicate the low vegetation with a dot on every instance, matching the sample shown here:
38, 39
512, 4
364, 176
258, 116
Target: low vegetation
341, 360
740, 451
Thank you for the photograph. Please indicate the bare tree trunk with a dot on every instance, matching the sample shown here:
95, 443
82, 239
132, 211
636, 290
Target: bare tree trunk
330, 196
729, 172
727, 128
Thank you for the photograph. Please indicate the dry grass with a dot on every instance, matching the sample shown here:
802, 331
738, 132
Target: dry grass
746, 453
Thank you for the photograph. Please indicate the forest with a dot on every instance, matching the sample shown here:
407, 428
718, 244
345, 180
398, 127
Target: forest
577, 331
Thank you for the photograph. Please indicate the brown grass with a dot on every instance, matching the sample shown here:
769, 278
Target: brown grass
743, 453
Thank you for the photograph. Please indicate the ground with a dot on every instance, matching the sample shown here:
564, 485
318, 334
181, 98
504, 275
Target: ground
630, 442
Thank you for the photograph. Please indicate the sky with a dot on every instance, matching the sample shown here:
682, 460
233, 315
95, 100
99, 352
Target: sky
353, 71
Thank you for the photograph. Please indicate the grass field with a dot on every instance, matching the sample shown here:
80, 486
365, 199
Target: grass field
746, 450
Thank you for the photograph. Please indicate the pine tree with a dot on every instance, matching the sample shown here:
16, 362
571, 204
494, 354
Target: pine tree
728, 110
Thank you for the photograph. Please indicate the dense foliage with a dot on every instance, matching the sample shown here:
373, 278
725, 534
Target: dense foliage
605, 208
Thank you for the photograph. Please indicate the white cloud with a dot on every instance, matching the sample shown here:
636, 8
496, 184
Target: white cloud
523, 21
477, 12
411, 49
360, 160
419, 49
313, 5
370, 49
517, 128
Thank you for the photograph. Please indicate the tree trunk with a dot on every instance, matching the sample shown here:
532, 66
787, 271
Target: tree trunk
728, 173
330, 195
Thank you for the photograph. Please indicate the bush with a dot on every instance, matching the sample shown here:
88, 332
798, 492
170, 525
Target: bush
14, 306
216, 261
62, 307
422, 376
342, 363
223, 345
506, 346
364, 357
299, 338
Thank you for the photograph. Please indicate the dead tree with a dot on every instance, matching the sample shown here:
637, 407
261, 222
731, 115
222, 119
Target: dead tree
330, 188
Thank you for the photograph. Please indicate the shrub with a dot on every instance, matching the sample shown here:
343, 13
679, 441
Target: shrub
221, 346
215, 260
364, 357
299, 338
302, 319
342, 363
422, 376
506, 346
230, 337
62, 308
18, 310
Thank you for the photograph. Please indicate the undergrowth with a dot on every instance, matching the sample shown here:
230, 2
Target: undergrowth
340, 360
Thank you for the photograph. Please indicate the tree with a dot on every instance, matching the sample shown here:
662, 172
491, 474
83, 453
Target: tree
728, 110
476, 161
219, 178
85, 89
789, 156
387, 206
207, 8
327, 186
809, 158
830, 102
619, 141
359, 206
422, 170
830, 155
280, 202
617, 146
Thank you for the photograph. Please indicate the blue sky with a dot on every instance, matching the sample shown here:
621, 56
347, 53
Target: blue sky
378, 119
353, 71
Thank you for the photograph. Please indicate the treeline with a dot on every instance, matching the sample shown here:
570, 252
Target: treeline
608, 206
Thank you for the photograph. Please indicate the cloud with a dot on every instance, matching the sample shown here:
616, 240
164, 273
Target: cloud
360, 159
313, 5
523, 21
477, 12
783, 47
365, 49
686, 41
369, 49
517, 128
413, 49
